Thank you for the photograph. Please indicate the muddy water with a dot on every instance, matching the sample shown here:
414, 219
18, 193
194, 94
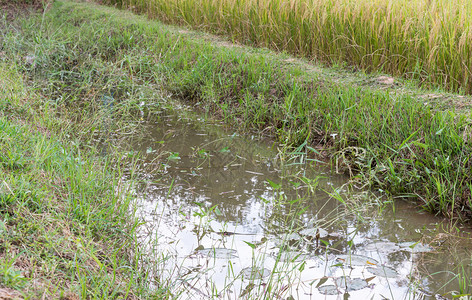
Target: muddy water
229, 217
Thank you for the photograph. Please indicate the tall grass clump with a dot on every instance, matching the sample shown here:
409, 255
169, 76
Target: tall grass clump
428, 40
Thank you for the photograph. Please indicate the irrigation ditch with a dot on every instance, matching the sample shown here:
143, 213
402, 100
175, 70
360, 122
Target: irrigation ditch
144, 161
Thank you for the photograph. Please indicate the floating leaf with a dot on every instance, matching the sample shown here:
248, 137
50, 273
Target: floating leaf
348, 284
356, 260
314, 232
383, 271
293, 236
254, 273
384, 247
218, 253
329, 290
415, 247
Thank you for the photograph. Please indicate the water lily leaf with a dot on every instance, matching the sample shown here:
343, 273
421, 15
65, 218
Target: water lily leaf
384, 247
254, 273
415, 247
383, 271
348, 284
218, 253
356, 260
329, 290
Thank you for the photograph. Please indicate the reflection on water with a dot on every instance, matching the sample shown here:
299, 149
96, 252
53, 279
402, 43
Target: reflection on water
232, 222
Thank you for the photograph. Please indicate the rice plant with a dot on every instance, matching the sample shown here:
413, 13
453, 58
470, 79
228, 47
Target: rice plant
428, 40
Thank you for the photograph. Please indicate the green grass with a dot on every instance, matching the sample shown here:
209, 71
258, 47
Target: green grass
66, 227
67, 224
390, 141
78, 72
421, 39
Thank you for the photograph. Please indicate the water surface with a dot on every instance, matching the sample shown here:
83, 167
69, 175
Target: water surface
231, 217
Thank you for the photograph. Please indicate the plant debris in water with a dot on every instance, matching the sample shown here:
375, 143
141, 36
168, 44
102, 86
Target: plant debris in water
254, 273
384, 247
314, 232
348, 284
383, 271
343, 285
415, 247
222, 253
356, 260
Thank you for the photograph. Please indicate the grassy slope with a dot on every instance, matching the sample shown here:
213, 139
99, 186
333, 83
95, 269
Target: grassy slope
67, 228
63, 223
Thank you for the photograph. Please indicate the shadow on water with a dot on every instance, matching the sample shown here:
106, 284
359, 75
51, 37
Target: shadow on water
230, 216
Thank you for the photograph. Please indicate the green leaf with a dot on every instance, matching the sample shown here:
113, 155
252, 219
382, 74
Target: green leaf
174, 156
322, 280
225, 150
302, 267
312, 149
273, 184
251, 245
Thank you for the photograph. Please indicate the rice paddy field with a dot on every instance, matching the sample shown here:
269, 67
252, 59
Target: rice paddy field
428, 40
